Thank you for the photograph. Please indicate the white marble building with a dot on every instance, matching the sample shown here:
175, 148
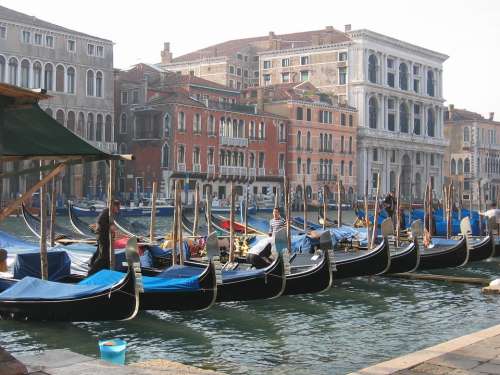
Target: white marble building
397, 88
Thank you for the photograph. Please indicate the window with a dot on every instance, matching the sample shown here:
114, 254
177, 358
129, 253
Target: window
391, 116
38, 40
13, 66
71, 121
342, 56
180, 154
196, 155
281, 161
342, 76
304, 75
49, 41
267, 64
239, 56
26, 37
372, 68
430, 83
350, 145
261, 160
71, 45
90, 83
262, 130
25, 73
70, 80
49, 77
299, 165
238, 85
304, 60
108, 129
467, 165
308, 166
285, 62
308, 141
90, 127
342, 144
124, 97
3, 32
374, 180
211, 125
267, 79
430, 123
100, 51
165, 156
245, 73
342, 167
90, 49
404, 118
308, 114
300, 113
123, 124
98, 84
238, 72
416, 85
350, 168
181, 123
390, 79
351, 121
466, 134
372, 113
99, 130
60, 116
166, 125
390, 63
231, 83
231, 69
285, 77
416, 70
299, 140
403, 76
418, 160
416, 119
325, 117
211, 156
37, 75
393, 156
256, 74
342, 119
60, 78
375, 154
197, 123
432, 159
282, 134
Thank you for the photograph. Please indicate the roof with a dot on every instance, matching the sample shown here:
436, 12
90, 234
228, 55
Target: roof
18, 17
10, 94
267, 43
176, 79
464, 115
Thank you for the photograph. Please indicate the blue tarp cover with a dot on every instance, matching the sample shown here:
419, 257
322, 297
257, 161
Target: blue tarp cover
28, 264
162, 283
230, 276
31, 288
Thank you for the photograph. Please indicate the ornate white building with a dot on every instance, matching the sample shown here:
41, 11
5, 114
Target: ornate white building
397, 89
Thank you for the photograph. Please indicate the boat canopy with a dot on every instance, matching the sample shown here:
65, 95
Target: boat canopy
28, 264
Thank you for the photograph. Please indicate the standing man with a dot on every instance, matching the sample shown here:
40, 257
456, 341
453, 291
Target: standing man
103, 230
277, 222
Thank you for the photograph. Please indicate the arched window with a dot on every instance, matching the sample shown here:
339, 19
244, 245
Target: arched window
299, 165
166, 125
330, 169
181, 122
321, 168
13, 66
431, 123
321, 141
211, 125
282, 137
308, 141
342, 163
430, 83
341, 144
90, 83
467, 166
25, 73
329, 143
350, 168
418, 184
404, 118
2, 69
180, 154
460, 167
453, 167
90, 127
372, 113
108, 129
48, 77
123, 123
262, 130
403, 76
60, 116
241, 159
98, 84
60, 78
71, 121
372, 68
350, 145
99, 129
308, 166
466, 134
308, 192
299, 140
351, 121
37, 75
70, 80
80, 125
196, 156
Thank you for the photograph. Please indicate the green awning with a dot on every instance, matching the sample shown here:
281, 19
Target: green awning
28, 132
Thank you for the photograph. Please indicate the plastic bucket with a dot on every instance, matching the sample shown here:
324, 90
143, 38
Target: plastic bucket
113, 351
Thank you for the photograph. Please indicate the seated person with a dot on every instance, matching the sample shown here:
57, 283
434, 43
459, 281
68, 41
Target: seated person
259, 255
3, 260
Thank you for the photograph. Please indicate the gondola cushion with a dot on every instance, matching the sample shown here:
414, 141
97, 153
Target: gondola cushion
28, 264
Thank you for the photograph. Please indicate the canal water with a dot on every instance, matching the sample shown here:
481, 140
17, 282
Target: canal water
359, 322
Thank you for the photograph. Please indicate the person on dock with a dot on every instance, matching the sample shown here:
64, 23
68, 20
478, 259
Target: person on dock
277, 222
101, 258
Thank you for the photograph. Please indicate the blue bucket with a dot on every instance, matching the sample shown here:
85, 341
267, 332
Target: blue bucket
113, 351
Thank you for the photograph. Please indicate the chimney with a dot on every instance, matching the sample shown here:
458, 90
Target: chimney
347, 27
451, 107
260, 100
272, 42
329, 28
166, 55
492, 116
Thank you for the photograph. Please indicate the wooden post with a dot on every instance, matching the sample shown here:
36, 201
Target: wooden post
152, 224
208, 207
52, 212
111, 214
375, 216
479, 199
410, 209
231, 224
174, 224
245, 212
287, 214
44, 265
325, 207
398, 205
305, 200
179, 227
196, 209
339, 203
367, 218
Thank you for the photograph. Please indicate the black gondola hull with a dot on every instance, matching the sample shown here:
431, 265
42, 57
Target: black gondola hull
450, 256
313, 280
481, 250
406, 260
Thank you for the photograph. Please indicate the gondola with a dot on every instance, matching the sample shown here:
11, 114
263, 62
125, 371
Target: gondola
405, 258
450, 253
78, 224
188, 225
35, 299
221, 224
481, 248
315, 278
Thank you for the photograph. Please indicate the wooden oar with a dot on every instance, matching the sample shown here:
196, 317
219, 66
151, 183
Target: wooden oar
196, 209
398, 205
325, 205
339, 203
287, 214
52, 211
44, 266
479, 200
208, 207
111, 188
375, 216
174, 224
367, 218
152, 223
305, 200
179, 227
231, 224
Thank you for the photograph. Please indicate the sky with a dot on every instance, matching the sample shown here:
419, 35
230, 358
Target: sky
467, 31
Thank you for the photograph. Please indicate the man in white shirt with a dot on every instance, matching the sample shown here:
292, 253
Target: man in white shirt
492, 212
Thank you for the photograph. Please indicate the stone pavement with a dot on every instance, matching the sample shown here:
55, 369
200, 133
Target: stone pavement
65, 362
475, 354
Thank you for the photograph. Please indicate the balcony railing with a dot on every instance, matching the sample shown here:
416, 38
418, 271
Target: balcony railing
211, 169
262, 171
181, 167
227, 170
231, 141
104, 146
252, 172
197, 168
324, 177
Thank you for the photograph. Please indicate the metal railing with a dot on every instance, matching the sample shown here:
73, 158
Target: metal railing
181, 167
232, 141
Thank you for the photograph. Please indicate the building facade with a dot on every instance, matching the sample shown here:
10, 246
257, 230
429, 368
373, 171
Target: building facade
76, 69
189, 129
473, 156
321, 137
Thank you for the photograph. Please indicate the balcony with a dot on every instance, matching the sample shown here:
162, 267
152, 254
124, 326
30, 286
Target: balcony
211, 134
105, 146
197, 168
211, 169
262, 171
281, 172
230, 141
324, 177
226, 170
252, 172
181, 167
